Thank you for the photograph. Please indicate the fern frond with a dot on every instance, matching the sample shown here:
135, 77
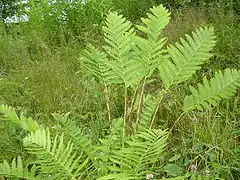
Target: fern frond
53, 157
118, 36
95, 62
187, 57
17, 170
119, 176
156, 21
70, 128
141, 151
222, 86
113, 141
150, 53
26, 123
149, 107
150, 49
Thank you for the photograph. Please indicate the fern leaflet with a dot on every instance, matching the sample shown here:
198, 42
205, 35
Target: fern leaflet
16, 169
75, 133
187, 57
149, 107
118, 35
26, 123
150, 49
95, 62
223, 85
156, 21
140, 152
53, 157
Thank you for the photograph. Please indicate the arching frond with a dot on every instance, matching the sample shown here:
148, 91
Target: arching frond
118, 35
54, 158
26, 123
187, 57
17, 170
81, 142
222, 86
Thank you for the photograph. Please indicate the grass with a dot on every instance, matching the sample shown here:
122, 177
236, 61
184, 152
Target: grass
39, 79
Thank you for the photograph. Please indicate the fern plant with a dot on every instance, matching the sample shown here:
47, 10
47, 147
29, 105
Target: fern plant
129, 60
133, 148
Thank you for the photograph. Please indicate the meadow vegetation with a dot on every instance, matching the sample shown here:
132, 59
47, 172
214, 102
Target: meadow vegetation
59, 68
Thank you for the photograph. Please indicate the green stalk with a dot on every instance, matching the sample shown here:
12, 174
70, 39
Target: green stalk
131, 109
108, 106
140, 103
162, 95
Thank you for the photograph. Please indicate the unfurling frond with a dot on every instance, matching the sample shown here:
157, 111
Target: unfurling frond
123, 62
54, 158
17, 170
187, 57
222, 86
26, 123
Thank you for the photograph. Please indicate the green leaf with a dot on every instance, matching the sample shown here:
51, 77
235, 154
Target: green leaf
185, 58
222, 86
17, 170
53, 156
156, 20
26, 123
173, 170
150, 49
123, 63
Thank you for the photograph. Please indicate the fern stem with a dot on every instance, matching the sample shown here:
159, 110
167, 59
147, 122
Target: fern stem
140, 104
107, 104
125, 112
178, 119
132, 109
162, 95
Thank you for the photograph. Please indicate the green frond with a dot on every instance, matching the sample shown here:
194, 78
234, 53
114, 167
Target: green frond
150, 49
95, 62
222, 86
54, 158
119, 176
113, 141
118, 36
150, 53
186, 58
26, 123
142, 151
70, 128
175, 178
17, 170
156, 21
149, 107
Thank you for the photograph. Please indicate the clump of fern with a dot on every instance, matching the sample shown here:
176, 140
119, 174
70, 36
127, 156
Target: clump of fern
133, 148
